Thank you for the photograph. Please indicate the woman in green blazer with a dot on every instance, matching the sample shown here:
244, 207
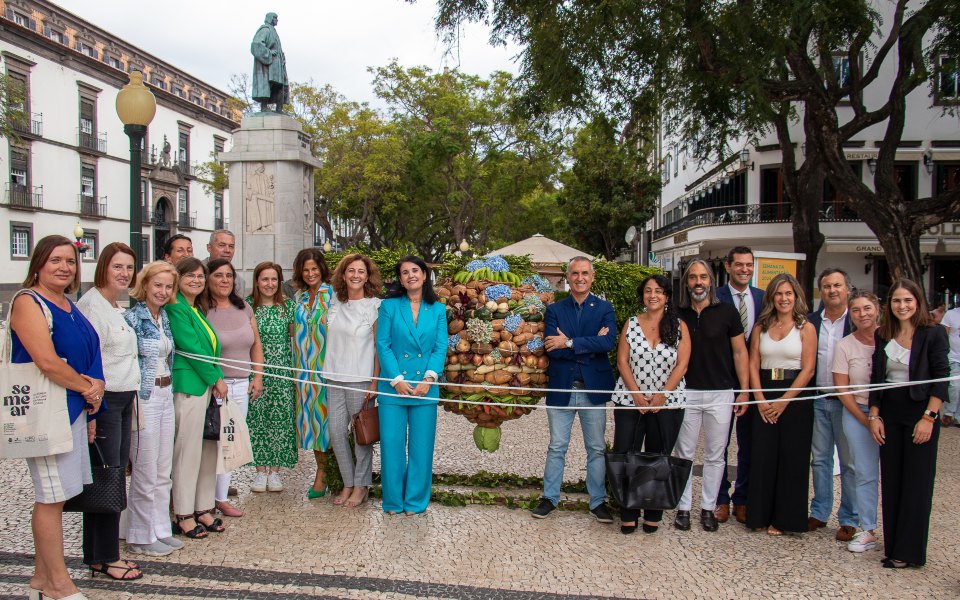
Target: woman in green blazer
194, 458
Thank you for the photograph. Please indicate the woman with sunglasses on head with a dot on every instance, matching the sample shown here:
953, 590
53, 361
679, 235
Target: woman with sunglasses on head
194, 458
240, 347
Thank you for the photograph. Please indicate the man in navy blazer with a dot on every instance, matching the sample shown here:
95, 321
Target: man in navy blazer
739, 266
581, 330
832, 324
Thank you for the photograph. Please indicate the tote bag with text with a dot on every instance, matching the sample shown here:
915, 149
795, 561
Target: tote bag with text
34, 419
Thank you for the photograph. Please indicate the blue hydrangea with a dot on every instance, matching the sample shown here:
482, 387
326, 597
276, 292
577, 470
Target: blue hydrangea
512, 322
473, 265
498, 292
453, 341
539, 283
497, 264
535, 344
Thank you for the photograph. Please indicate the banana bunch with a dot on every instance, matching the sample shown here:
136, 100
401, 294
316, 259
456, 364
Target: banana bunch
486, 273
506, 277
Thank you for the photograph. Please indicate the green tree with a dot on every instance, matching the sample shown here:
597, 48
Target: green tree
728, 71
471, 158
607, 189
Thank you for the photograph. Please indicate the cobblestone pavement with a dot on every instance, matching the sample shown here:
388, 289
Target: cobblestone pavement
289, 547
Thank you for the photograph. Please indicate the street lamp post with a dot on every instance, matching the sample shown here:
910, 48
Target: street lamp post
136, 106
78, 234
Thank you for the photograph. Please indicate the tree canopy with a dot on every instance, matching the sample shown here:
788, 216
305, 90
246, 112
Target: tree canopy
723, 71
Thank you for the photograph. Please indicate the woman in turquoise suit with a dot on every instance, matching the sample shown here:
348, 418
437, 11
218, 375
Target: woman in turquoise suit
411, 346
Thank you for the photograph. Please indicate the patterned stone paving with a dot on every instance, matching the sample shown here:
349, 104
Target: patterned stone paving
289, 547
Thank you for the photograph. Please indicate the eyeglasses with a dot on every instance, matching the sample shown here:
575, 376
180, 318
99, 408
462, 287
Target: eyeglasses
197, 276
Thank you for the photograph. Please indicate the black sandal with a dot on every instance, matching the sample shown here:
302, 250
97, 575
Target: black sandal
105, 569
197, 533
216, 526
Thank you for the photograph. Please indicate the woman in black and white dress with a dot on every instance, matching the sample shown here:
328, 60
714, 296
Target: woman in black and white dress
653, 353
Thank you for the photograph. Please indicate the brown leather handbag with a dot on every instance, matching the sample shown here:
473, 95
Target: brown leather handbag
366, 424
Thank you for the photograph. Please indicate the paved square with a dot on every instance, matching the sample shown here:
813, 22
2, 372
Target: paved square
290, 547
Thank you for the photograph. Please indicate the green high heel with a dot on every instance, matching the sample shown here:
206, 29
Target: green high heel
313, 494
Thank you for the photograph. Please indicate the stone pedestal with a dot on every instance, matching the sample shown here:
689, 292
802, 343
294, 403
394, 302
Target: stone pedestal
271, 192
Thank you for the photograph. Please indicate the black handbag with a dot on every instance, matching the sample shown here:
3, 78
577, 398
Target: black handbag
211, 424
108, 492
647, 480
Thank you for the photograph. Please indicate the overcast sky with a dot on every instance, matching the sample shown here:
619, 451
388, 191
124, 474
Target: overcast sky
329, 41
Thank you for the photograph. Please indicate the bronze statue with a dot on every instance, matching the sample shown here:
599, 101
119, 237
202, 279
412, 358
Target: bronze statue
270, 85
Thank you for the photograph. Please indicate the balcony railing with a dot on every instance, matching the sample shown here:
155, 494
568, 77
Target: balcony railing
750, 213
91, 206
29, 124
25, 197
95, 141
185, 221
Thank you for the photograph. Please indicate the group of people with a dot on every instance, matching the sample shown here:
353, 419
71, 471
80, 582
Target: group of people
140, 382
796, 381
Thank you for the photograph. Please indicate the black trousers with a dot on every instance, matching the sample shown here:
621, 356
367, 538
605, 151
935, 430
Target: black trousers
907, 471
744, 429
101, 532
780, 465
657, 432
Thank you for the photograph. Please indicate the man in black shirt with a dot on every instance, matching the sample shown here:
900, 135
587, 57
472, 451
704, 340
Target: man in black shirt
717, 351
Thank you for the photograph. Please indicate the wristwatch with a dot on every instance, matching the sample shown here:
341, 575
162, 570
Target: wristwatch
569, 343
932, 414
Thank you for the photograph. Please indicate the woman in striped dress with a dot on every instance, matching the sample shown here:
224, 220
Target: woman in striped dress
310, 276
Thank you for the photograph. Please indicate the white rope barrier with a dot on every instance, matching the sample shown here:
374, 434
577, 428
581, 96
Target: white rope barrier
246, 366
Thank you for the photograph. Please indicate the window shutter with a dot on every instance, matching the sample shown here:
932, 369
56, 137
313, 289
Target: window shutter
32, 24
18, 159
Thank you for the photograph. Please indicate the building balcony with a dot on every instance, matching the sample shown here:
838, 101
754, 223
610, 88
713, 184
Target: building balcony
93, 141
187, 221
748, 214
91, 206
25, 197
30, 124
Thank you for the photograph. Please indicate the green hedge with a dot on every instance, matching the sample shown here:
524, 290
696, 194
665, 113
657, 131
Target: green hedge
618, 283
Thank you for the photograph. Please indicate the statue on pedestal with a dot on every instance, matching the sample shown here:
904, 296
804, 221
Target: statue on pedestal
270, 84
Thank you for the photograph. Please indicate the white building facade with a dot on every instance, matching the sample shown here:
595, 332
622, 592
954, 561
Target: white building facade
71, 164
708, 206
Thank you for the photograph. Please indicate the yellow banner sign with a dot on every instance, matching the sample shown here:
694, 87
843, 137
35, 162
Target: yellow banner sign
768, 268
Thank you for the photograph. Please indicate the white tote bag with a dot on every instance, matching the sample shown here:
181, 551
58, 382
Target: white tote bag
235, 447
34, 419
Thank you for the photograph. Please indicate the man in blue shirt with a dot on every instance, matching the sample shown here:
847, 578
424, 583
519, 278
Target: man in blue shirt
580, 333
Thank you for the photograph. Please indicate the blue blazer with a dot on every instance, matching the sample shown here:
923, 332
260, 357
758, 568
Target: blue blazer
590, 351
410, 350
724, 295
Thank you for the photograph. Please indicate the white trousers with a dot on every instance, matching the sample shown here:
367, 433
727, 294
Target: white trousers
715, 422
238, 390
151, 452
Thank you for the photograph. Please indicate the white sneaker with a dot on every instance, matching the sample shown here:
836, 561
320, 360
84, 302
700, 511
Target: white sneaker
259, 483
862, 542
157, 548
274, 484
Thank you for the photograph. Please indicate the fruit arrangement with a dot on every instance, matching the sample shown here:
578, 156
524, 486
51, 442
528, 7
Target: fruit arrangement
496, 328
